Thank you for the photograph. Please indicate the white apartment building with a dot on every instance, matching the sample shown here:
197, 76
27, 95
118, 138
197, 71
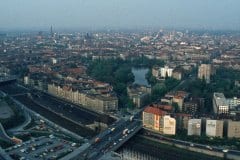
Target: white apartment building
220, 105
214, 128
166, 72
169, 125
194, 127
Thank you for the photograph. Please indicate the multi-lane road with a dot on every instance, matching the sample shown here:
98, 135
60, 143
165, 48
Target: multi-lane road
70, 116
70, 110
110, 140
65, 114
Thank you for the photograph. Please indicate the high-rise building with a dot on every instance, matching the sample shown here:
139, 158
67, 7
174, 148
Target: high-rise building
190, 107
194, 127
152, 117
178, 99
157, 120
205, 71
168, 125
214, 128
220, 105
233, 129
51, 31
166, 72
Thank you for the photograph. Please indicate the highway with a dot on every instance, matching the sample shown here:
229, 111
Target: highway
57, 118
68, 109
72, 117
58, 112
109, 140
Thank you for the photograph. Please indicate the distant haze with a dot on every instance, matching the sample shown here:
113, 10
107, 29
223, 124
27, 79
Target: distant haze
94, 14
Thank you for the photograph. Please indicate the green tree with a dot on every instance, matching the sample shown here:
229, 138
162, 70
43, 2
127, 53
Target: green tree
158, 91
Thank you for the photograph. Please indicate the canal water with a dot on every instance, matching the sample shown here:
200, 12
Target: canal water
140, 76
140, 148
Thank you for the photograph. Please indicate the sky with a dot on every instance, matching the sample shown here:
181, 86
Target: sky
98, 14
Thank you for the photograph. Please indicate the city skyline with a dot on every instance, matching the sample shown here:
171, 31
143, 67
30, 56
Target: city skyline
114, 80
133, 14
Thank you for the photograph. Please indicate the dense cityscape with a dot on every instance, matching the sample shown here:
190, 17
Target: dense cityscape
87, 95
119, 80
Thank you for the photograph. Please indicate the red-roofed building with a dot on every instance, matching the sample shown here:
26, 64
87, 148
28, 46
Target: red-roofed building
164, 107
152, 117
156, 119
154, 110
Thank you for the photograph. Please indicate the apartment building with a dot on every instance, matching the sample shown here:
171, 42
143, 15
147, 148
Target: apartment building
214, 128
194, 127
205, 71
220, 105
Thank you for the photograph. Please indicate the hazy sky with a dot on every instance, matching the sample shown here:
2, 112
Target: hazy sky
212, 14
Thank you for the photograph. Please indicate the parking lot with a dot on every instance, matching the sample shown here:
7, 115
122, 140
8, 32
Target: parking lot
48, 148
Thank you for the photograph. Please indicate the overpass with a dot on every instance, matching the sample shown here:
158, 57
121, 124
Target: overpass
109, 140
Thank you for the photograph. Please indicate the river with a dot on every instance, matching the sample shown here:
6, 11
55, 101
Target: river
139, 74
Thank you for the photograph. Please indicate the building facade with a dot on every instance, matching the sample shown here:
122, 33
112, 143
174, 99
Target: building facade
233, 102
220, 105
194, 127
205, 71
233, 129
157, 120
190, 107
95, 102
152, 118
168, 125
214, 128
139, 94
166, 72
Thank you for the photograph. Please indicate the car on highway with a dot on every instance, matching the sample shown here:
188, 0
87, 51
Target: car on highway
208, 147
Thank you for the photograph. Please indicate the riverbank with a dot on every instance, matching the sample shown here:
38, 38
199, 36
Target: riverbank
140, 145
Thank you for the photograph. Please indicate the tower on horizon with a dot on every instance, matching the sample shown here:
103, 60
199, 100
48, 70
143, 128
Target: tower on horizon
51, 31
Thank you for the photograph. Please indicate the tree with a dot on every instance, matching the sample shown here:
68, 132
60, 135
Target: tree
124, 74
150, 78
158, 91
116, 72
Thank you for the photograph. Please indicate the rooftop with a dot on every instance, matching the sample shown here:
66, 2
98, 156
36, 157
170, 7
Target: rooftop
220, 99
154, 110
